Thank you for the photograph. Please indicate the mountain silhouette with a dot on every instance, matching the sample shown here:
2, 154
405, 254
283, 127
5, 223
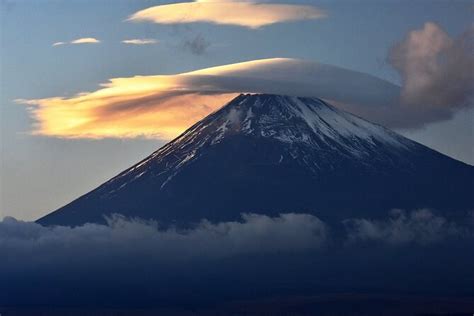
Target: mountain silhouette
271, 154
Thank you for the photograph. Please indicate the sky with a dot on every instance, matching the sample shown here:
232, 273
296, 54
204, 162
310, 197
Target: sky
89, 88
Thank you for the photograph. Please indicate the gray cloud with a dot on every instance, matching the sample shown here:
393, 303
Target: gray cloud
420, 227
437, 72
253, 234
197, 45
130, 262
123, 237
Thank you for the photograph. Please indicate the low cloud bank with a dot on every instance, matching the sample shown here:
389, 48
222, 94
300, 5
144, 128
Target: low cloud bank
254, 234
134, 262
421, 227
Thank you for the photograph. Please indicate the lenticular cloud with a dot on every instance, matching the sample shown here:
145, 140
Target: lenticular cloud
230, 12
163, 106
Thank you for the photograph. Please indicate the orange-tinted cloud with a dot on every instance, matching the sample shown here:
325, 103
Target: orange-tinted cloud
124, 107
84, 117
164, 106
242, 13
85, 40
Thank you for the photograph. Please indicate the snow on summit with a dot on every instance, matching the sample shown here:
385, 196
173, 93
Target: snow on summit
272, 154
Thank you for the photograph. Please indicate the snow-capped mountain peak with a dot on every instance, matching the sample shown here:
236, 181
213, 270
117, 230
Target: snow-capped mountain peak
268, 116
300, 124
276, 153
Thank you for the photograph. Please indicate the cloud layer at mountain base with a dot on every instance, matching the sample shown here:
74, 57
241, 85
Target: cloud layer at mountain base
136, 262
254, 234
421, 227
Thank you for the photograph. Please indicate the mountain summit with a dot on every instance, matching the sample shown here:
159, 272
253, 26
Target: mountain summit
271, 154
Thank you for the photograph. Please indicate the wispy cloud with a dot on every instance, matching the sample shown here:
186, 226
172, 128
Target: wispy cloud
197, 45
83, 40
140, 41
59, 43
420, 226
242, 13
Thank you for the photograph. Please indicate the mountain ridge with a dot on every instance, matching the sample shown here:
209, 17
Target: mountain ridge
263, 147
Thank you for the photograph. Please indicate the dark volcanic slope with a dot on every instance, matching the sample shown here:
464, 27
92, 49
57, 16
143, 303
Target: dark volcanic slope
271, 154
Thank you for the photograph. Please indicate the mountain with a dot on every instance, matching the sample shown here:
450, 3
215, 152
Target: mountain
271, 154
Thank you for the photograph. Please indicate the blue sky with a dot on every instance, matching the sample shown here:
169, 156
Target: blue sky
41, 173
